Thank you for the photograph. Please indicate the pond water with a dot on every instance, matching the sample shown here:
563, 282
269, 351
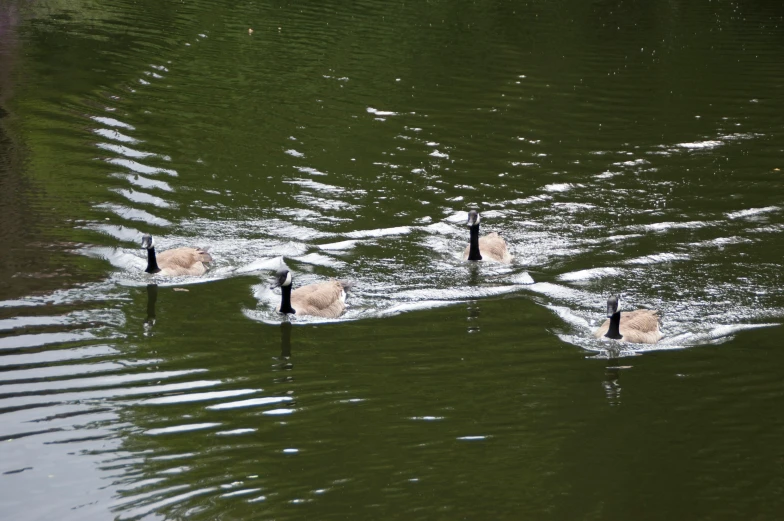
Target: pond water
619, 147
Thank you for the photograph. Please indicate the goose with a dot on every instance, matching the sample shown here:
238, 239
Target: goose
324, 299
491, 247
640, 326
179, 261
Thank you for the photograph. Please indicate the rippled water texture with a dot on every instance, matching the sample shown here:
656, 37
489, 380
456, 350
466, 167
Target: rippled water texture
628, 147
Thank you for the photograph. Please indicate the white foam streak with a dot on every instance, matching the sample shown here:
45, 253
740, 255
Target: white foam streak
701, 145
115, 135
249, 403
751, 212
197, 397
658, 258
382, 232
560, 187
140, 168
593, 273
377, 112
111, 122
339, 246
125, 151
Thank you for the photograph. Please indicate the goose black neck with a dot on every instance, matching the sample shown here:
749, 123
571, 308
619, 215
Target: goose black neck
285, 300
152, 263
614, 331
473, 252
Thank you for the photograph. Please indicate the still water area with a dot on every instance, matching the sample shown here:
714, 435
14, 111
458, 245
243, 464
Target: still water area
619, 147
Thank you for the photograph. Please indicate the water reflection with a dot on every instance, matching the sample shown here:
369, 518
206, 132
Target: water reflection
285, 363
152, 298
10, 19
474, 274
474, 311
612, 383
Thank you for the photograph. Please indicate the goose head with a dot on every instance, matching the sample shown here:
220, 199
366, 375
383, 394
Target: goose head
613, 305
282, 278
473, 218
147, 241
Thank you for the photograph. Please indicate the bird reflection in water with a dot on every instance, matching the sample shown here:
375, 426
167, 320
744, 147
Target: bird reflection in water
612, 383
284, 361
473, 274
473, 307
474, 310
152, 298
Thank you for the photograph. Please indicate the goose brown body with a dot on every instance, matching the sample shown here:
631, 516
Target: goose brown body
183, 261
325, 299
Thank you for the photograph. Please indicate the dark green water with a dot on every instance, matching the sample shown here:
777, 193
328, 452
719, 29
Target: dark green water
629, 147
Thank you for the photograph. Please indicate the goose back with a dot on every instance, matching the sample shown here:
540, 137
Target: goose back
640, 326
493, 248
183, 261
325, 299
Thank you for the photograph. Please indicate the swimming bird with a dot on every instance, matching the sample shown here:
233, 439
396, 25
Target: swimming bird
179, 261
640, 326
491, 247
324, 299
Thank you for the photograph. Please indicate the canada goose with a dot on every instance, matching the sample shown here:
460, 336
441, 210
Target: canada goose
640, 326
179, 261
491, 247
324, 299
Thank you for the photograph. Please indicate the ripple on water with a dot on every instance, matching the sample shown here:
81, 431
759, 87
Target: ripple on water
111, 122
125, 151
143, 182
115, 135
253, 402
589, 274
142, 198
752, 212
134, 214
140, 168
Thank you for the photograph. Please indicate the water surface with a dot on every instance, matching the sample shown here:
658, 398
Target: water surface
632, 148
